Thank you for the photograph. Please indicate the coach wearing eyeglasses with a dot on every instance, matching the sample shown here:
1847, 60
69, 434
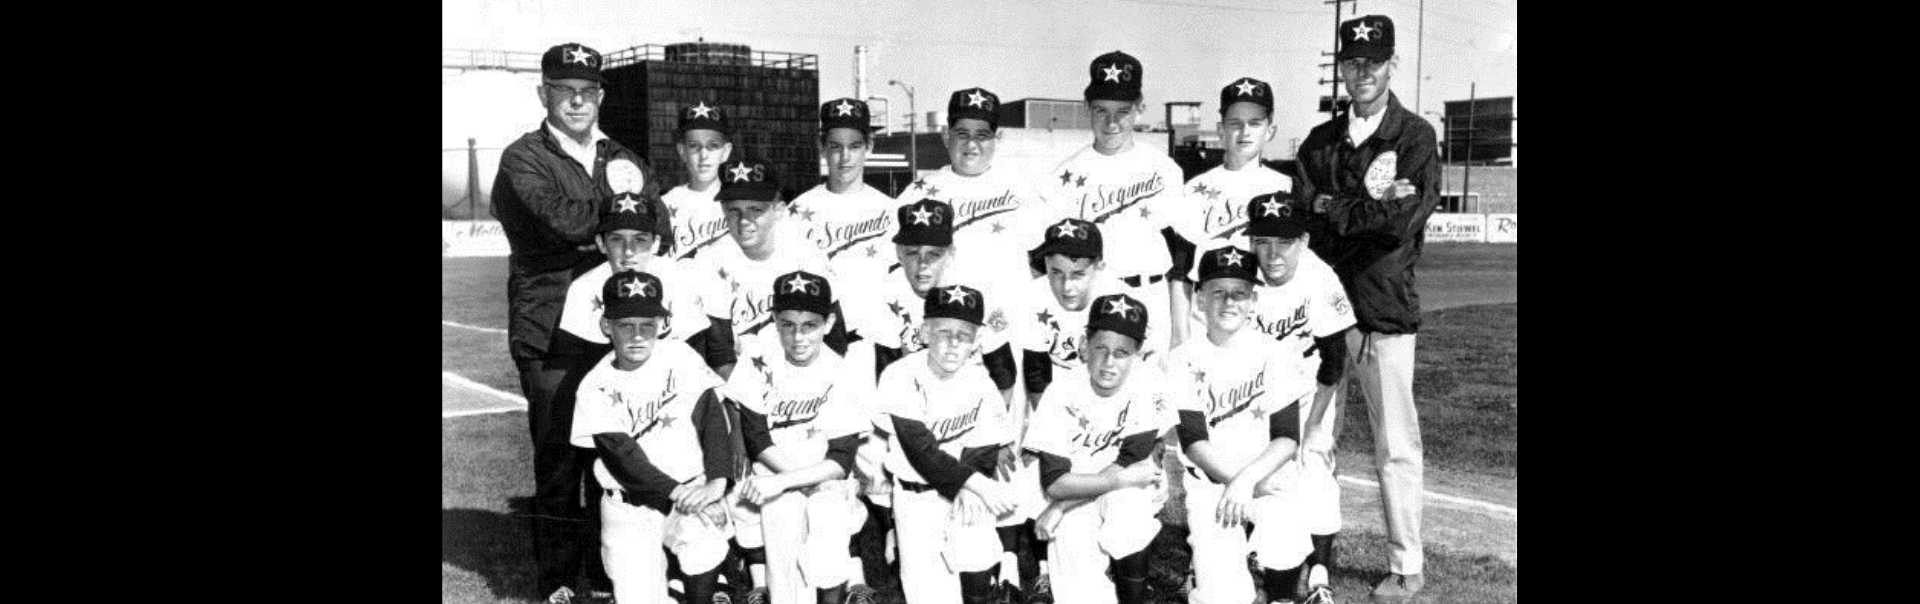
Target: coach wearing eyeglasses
547, 197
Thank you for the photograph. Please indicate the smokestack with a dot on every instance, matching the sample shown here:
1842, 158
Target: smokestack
860, 71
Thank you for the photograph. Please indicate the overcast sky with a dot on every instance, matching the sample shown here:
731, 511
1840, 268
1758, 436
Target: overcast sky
1020, 49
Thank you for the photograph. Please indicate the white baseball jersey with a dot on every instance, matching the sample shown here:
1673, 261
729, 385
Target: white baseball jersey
698, 221
851, 229
1219, 198
1132, 195
805, 406
962, 411
1049, 328
653, 403
743, 287
895, 320
995, 220
581, 314
1236, 388
1077, 424
1311, 305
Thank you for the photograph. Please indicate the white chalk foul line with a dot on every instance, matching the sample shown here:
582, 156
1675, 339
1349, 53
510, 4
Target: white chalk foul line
1459, 501
519, 403
472, 327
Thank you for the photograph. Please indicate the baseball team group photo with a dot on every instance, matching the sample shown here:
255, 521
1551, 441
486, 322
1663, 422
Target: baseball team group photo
878, 302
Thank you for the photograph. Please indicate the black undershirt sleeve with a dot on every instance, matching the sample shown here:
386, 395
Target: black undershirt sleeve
1052, 467
1285, 423
1000, 366
1192, 429
753, 431
1333, 357
922, 451
981, 459
1181, 251
1038, 370
884, 356
718, 347
1136, 447
716, 436
840, 452
629, 466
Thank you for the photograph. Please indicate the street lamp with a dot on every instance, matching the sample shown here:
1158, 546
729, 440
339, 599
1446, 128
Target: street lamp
913, 133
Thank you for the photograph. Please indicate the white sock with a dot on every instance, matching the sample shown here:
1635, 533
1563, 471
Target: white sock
1010, 567
891, 550
1316, 575
859, 568
759, 573
1043, 567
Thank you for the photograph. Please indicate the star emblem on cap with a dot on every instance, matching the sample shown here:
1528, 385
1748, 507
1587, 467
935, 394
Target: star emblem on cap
1272, 207
975, 99
1362, 31
700, 110
741, 172
1120, 307
628, 204
1067, 229
844, 108
579, 55
1231, 257
1246, 87
633, 288
1113, 72
920, 215
955, 294
799, 285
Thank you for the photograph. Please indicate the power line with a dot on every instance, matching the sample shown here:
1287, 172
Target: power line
1221, 7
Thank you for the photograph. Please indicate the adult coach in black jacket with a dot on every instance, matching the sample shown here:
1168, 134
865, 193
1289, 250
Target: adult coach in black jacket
1372, 179
547, 197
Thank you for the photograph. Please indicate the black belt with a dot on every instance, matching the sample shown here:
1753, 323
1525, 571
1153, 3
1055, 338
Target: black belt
1134, 281
914, 487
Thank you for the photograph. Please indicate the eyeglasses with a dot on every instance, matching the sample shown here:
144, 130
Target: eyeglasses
1241, 295
589, 93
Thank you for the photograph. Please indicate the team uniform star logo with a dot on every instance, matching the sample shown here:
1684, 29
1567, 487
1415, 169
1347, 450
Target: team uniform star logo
1120, 307
1066, 176
799, 285
1045, 316
1144, 213
1231, 257
1113, 72
894, 305
760, 363
1080, 181
933, 190
579, 55
920, 184
1362, 31
872, 251
1246, 87
1271, 207
806, 213
1199, 188
844, 108
741, 172
920, 216
975, 99
700, 110
998, 228
633, 288
955, 294
1067, 229
628, 204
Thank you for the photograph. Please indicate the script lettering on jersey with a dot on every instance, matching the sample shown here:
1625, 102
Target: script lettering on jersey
836, 237
799, 411
949, 429
1283, 327
1226, 218
974, 210
1065, 349
1106, 201
645, 417
750, 310
1095, 442
696, 236
909, 328
1234, 400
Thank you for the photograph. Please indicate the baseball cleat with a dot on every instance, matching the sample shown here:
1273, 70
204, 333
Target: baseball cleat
757, 596
1010, 593
860, 594
1319, 594
1398, 588
564, 595
1041, 592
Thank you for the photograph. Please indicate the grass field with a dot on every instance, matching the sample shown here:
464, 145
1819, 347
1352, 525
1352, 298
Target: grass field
1465, 385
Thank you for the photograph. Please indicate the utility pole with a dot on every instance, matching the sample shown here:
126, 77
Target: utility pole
473, 180
1333, 105
913, 134
1466, 176
1419, 56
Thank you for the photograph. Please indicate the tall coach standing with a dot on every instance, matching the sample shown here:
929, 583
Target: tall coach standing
1373, 180
547, 199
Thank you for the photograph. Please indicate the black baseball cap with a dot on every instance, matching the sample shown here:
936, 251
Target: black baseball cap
701, 116
571, 60
747, 179
925, 222
955, 302
974, 103
845, 113
801, 290
1114, 76
1370, 37
633, 294
1118, 313
1247, 90
626, 211
1069, 237
1275, 215
1228, 263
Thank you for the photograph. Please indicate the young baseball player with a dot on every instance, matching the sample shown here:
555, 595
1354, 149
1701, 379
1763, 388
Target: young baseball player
844, 217
1220, 195
1132, 191
1073, 273
1094, 435
990, 202
1304, 308
802, 414
663, 439
628, 233
947, 427
697, 222
1239, 415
